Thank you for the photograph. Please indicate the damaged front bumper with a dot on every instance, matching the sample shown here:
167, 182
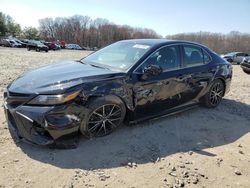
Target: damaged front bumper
42, 125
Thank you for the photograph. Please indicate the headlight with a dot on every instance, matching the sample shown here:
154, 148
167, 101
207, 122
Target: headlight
53, 99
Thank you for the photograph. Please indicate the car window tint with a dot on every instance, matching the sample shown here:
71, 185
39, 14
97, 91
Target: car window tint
206, 57
168, 58
193, 56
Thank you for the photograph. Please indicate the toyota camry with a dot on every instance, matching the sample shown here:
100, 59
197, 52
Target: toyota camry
124, 83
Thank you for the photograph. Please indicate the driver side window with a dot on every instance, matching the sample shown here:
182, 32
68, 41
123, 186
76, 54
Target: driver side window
168, 58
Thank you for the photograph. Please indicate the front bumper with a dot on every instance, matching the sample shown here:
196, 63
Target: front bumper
245, 65
44, 125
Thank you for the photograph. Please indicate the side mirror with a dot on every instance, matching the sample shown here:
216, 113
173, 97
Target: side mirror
152, 70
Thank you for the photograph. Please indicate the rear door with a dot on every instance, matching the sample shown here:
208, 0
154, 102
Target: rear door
196, 71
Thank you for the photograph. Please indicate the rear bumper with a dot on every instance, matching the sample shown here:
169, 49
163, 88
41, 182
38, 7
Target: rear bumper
43, 125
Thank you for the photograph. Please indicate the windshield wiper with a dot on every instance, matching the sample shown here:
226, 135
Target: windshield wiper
81, 61
93, 65
98, 66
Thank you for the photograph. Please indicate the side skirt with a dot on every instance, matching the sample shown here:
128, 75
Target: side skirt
165, 113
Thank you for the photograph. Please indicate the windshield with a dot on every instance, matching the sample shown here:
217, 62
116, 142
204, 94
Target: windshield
120, 55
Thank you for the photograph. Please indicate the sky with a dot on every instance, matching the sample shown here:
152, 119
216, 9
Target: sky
166, 17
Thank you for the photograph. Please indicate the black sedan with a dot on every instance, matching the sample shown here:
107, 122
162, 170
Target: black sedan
37, 46
128, 81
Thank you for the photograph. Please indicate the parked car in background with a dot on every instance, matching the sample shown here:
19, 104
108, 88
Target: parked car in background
25, 41
23, 44
61, 43
245, 65
4, 43
10, 43
52, 46
14, 43
73, 47
94, 49
235, 57
37, 46
131, 80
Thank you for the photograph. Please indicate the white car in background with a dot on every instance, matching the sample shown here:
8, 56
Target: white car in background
73, 47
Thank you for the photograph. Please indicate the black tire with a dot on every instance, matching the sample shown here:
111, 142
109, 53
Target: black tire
98, 122
214, 95
28, 48
248, 72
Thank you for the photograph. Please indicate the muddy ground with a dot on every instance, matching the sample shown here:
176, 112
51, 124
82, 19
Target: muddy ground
197, 148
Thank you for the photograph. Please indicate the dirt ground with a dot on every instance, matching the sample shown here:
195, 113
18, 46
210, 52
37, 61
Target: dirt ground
197, 148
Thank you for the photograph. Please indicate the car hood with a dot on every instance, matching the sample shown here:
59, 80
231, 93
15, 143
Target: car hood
56, 78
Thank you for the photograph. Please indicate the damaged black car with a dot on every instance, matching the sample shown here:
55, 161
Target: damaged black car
125, 82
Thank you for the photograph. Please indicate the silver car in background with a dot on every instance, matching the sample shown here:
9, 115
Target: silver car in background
245, 65
235, 57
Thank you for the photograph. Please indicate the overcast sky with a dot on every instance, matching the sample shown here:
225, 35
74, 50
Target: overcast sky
164, 16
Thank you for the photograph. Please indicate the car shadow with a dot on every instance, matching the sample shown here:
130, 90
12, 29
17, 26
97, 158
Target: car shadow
194, 130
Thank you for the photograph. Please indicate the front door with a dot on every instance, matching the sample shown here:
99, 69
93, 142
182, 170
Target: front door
155, 93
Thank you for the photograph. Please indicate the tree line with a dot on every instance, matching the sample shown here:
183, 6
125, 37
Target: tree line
88, 32
99, 32
220, 43
8, 27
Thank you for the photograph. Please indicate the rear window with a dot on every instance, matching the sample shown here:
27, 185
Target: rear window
194, 56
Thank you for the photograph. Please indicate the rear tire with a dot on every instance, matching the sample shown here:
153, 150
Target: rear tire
105, 114
214, 95
248, 72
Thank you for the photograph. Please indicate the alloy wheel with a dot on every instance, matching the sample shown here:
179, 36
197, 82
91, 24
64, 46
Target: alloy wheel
104, 119
216, 94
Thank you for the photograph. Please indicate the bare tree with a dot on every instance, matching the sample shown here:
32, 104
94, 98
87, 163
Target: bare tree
220, 43
87, 32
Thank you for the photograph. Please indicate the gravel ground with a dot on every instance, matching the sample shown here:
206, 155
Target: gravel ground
197, 148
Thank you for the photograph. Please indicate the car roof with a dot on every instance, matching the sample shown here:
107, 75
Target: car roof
235, 52
156, 42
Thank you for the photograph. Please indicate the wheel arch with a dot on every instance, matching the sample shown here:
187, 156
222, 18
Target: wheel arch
223, 81
110, 96
94, 101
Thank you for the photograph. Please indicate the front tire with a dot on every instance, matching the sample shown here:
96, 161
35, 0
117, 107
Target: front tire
104, 116
215, 94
